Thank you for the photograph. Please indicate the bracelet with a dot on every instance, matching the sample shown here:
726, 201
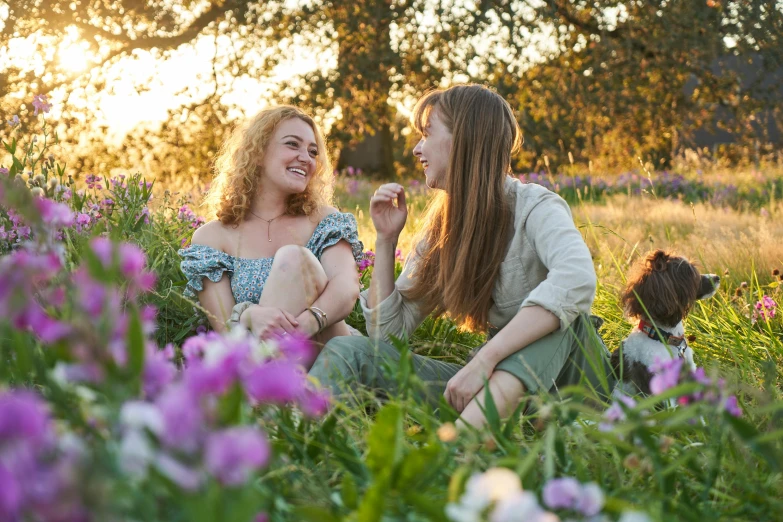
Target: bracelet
236, 313
320, 317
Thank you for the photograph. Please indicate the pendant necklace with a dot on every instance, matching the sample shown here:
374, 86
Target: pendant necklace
268, 223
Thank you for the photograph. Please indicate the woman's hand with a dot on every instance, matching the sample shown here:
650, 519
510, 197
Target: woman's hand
466, 383
388, 219
264, 321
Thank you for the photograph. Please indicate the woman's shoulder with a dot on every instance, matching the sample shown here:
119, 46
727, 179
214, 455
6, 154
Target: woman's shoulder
524, 197
328, 215
212, 234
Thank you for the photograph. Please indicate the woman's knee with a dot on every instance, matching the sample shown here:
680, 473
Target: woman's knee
294, 261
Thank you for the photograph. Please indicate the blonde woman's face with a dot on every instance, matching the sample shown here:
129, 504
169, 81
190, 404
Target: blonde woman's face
434, 150
290, 159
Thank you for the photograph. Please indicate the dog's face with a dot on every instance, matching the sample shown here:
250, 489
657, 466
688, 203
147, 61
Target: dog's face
664, 287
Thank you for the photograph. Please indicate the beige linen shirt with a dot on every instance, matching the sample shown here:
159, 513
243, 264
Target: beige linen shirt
547, 264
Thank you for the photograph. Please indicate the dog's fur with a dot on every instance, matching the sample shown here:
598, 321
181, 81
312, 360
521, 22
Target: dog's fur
661, 292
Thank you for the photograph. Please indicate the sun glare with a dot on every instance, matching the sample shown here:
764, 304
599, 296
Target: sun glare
74, 54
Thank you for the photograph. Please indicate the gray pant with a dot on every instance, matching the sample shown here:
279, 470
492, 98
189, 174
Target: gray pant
562, 358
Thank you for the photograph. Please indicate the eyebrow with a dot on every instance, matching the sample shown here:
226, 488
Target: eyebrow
299, 139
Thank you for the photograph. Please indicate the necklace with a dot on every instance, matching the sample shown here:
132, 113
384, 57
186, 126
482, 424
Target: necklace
268, 223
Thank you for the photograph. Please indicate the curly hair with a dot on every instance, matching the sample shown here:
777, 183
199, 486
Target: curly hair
662, 288
238, 170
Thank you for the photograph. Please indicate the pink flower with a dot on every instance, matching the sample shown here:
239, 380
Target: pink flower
276, 382
232, 455
53, 213
667, 375
732, 407
132, 260
103, 248
41, 103
3, 170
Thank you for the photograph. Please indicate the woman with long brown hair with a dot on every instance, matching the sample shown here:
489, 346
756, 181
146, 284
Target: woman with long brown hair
498, 256
277, 258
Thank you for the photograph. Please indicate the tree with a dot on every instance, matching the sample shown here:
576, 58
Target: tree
591, 78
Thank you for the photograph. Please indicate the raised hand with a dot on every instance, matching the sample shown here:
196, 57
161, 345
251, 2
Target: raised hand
389, 211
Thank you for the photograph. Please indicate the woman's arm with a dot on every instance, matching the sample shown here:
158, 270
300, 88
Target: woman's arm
216, 298
341, 291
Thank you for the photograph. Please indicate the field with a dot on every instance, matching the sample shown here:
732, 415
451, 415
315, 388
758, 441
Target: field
134, 413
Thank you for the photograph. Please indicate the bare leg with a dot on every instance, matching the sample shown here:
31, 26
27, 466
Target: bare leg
506, 391
295, 281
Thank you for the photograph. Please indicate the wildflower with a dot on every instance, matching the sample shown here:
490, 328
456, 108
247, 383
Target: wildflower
277, 382
232, 455
744, 285
135, 454
41, 103
764, 309
732, 407
182, 418
315, 403
521, 506
53, 213
180, 474
4, 170
562, 493
667, 375
159, 371
568, 493
447, 432
775, 272
13, 122
139, 415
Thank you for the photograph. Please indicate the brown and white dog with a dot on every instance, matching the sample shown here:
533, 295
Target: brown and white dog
659, 295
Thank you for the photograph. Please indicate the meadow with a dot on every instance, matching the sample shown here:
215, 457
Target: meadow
117, 404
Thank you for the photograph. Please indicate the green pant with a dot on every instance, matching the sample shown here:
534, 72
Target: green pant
559, 359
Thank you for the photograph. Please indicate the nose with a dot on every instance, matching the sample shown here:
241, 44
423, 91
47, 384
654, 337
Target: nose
417, 148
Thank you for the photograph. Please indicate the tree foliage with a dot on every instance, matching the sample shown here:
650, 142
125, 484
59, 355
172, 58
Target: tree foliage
604, 78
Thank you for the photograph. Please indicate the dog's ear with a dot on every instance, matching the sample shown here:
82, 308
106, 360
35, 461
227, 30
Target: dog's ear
662, 289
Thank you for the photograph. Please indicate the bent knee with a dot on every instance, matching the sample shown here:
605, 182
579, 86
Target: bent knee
299, 260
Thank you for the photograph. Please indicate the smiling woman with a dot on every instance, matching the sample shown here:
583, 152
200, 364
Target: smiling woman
289, 257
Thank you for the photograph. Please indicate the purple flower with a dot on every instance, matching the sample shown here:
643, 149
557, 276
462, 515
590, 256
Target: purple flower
667, 375
315, 403
297, 348
13, 122
132, 260
103, 248
732, 407
159, 371
53, 213
182, 418
591, 500
562, 493
3, 170
23, 416
41, 103
276, 382
232, 455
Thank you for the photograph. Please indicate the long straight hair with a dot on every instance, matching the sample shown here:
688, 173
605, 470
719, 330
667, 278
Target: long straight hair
469, 223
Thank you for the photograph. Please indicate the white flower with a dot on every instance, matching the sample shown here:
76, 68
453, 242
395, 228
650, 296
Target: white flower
481, 490
135, 454
521, 506
138, 415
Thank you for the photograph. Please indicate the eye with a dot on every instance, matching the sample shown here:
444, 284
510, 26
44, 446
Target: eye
293, 144
314, 152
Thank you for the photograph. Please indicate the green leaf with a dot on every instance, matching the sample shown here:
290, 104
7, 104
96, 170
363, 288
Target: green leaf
457, 482
418, 466
385, 439
372, 507
135, 345
426, 505
350, 495
314, 514
750, 435
230, 406
491, 410
11, 148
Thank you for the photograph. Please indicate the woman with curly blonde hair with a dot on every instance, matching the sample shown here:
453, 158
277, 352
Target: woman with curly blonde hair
289, 256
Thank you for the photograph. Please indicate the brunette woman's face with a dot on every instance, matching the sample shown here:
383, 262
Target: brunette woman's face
434, 151
290, 157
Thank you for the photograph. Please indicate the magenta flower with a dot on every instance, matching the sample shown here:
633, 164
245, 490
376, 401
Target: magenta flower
41, 103
276, 382
4, 170
182, 418
159, 370
315, 403
53, 213
232, 455
667, 375
132, 260
297, 348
